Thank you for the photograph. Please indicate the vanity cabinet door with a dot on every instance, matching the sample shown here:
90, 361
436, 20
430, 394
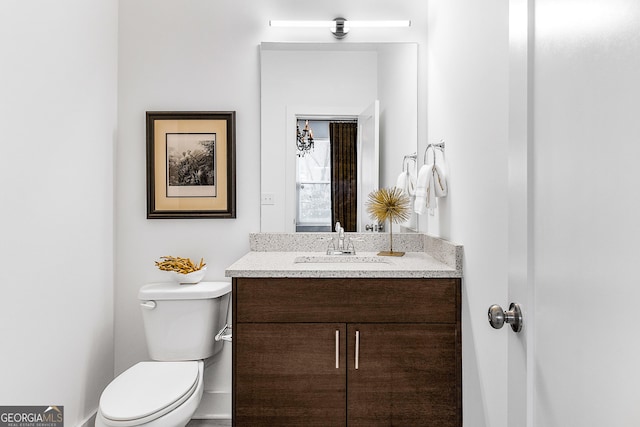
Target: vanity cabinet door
404, 374
290, 374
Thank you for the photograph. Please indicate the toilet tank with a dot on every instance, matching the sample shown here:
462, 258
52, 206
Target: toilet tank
180, 321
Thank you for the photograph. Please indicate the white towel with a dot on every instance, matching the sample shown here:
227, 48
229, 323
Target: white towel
425, 191
439, 180
411, 184
407, 183
401, 182
432, 183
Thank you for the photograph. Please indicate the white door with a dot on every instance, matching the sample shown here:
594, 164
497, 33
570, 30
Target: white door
574, 199
586, 202
368, 159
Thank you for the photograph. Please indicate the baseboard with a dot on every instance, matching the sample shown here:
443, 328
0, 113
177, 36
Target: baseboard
214, 406
89, 422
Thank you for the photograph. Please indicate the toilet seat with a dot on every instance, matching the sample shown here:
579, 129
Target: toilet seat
149, 390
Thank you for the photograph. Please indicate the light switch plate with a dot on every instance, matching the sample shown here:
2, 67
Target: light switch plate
268, 199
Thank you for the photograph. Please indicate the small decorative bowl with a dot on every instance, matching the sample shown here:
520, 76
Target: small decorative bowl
190, 278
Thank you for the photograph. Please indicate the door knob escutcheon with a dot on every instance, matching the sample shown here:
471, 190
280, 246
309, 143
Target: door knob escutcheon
498, 317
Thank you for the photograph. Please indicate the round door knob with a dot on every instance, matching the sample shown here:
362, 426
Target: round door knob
498, 317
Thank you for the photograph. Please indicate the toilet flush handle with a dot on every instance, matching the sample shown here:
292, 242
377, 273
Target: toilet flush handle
149, 305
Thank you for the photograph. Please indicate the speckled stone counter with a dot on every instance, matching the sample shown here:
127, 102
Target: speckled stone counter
304, 255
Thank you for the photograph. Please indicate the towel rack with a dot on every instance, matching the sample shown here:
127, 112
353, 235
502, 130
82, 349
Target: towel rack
413, 156
439, 146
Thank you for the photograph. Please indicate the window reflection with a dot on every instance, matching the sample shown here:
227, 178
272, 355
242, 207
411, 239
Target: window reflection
313, 181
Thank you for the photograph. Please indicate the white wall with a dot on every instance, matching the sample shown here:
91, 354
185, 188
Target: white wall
58, 124
398, 96
468, 108
203, 55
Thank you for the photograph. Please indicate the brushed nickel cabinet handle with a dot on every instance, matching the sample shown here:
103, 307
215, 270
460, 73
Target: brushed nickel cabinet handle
357, 348
337, 349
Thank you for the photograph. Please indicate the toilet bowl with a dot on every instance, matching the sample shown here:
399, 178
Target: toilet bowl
180, 322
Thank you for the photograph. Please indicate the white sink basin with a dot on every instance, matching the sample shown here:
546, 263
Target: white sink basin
336, 259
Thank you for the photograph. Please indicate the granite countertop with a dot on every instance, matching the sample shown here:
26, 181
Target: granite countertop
317, 264
425, 257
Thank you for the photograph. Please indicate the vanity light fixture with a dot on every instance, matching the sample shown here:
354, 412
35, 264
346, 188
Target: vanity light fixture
304, 139
341, 26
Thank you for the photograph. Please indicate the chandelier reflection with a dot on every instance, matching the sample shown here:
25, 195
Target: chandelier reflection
304, 139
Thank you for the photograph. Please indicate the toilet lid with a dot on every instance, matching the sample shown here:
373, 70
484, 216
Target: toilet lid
149, 390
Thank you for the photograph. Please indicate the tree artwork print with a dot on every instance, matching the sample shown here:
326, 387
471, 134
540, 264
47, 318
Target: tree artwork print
191, 168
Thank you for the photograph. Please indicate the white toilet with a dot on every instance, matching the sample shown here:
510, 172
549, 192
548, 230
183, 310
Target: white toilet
180, 323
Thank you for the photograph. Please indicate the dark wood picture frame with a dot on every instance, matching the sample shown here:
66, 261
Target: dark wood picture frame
191, 164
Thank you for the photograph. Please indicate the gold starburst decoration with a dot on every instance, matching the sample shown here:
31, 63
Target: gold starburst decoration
389, 204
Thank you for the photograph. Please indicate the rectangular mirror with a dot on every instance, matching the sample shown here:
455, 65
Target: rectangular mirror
372, 84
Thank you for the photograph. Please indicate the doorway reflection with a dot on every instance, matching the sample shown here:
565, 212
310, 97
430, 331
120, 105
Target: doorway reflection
326, 176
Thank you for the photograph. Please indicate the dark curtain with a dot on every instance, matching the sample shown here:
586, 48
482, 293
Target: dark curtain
344, 173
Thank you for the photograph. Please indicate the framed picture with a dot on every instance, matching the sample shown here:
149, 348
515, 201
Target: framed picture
191, 171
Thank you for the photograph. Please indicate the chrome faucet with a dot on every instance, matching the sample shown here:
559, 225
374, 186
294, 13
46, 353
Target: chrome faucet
340, 232
341, 248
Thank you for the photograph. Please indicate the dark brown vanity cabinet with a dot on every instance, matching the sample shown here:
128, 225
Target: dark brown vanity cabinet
344, 351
